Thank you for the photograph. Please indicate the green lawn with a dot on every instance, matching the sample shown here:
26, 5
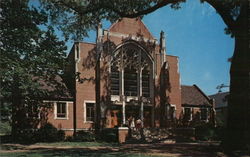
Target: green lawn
77, 144
72, 154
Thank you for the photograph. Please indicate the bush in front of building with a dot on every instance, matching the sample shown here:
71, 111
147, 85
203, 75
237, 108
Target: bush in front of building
49, 133
109, 135
83, 136
205, 132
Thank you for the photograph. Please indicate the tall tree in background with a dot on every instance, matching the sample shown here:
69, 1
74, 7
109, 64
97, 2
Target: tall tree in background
29, 58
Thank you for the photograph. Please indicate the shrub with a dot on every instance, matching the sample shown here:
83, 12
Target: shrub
25, 136
205, 132
5, 128
109, 135
48, 133
84, 136
60, 135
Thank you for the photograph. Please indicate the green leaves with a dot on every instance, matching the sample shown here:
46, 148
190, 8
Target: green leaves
31, 58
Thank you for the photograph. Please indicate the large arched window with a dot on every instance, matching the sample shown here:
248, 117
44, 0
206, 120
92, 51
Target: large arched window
131, 71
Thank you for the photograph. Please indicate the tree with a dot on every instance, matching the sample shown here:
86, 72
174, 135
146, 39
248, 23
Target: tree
30, 59
235, 14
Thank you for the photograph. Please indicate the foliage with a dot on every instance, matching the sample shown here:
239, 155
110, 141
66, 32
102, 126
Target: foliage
76, 18
205, 132
25, 136
48, 133
31, 58
84, 136
85, 15
77, 144
109, 135
5, 128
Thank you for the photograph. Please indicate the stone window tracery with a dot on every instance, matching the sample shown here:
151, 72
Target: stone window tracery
132, 64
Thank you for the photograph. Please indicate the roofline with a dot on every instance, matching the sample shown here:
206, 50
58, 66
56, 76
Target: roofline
146, 28
220, 93
84, 42
187, 85
172, 56
113, 24
132, 18
209, 99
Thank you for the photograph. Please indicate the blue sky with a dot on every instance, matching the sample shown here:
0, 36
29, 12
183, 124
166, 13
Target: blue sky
194, 33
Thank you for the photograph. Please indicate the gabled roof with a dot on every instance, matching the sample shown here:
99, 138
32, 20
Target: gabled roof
220, 99
131, 26
193, 96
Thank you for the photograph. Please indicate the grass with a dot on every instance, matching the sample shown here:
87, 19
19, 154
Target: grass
77, 144
68, 149
70, 154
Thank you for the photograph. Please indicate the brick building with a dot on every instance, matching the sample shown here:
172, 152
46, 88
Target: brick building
138, 80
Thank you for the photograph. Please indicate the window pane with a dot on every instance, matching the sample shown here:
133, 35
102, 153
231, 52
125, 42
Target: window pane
130, 82
145, 83
90, 112
203, 114
187, 113
61, 110
114, 81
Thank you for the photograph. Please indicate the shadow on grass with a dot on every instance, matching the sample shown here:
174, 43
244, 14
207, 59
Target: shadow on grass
128, 150
76, 152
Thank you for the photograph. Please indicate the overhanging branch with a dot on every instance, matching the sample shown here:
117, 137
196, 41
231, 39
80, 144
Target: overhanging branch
146, 11
223, 11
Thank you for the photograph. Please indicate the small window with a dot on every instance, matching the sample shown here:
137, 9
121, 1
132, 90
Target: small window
90, 112
204, 114
61, 110
187, 114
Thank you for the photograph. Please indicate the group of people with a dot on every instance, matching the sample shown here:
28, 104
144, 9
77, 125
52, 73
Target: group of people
134, 124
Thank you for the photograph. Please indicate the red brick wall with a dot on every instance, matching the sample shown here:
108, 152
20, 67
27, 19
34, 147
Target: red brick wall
175, 94
64, 124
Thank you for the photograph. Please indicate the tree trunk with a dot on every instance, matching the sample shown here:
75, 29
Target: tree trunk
17, 109
98, 92
238, 127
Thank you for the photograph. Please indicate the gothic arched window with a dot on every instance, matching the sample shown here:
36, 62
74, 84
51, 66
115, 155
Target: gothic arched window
131, 71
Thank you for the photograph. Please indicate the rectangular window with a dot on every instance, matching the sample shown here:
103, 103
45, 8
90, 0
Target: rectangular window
203, 114
130, 82
61, 110
187, 113
90, 112
115, 85
145, 84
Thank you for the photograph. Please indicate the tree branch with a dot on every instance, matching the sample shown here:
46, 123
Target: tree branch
95, 7
223, 12
146, 11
